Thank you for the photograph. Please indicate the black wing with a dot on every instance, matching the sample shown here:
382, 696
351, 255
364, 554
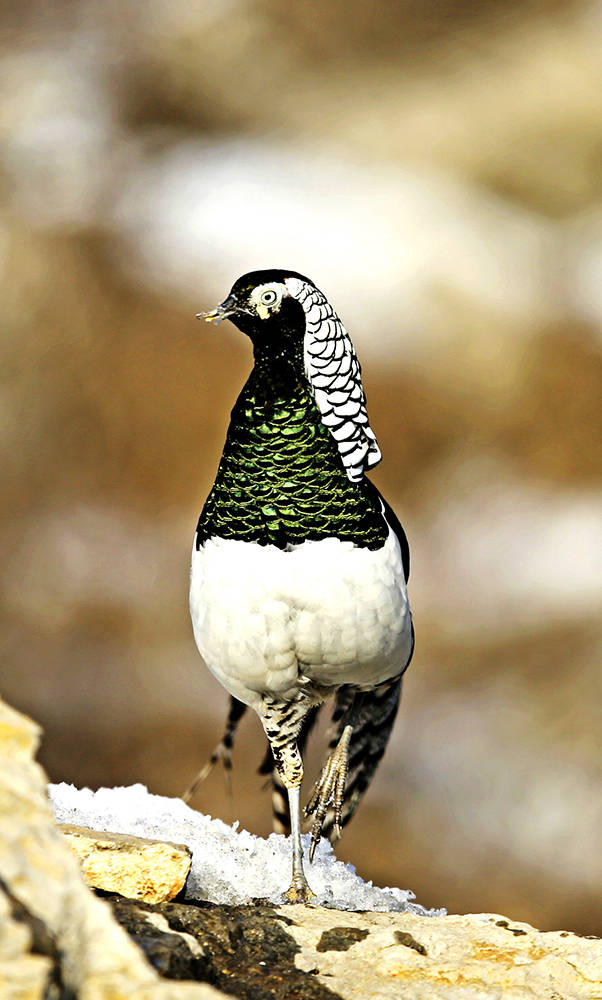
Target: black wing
394, 522
377, 710
371, 731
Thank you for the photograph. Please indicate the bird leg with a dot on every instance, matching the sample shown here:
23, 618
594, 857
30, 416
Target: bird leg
329, 789
289, 763
299, 890
223, 751
290, 767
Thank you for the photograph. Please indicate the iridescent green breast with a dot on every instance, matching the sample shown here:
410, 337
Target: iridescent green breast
281, 480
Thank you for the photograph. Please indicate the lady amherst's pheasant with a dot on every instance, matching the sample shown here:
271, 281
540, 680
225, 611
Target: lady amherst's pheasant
299, 567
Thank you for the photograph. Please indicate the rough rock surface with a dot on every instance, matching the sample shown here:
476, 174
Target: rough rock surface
132, 866
271, 953
472, 957
57, 942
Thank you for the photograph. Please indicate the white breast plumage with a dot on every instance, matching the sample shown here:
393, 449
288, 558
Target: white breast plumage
325, 613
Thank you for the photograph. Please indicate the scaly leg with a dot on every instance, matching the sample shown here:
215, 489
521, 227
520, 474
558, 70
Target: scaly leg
223, 751
282, 725
330, 789
299, 890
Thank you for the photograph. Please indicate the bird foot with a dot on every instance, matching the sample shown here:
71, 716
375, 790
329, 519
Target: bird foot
299, 891
221, 753
329, 791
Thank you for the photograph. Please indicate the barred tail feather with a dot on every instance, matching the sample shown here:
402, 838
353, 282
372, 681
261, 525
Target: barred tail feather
223, 750
374, 719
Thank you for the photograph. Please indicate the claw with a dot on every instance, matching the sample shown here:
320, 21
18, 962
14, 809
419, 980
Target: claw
329, 791
300, 892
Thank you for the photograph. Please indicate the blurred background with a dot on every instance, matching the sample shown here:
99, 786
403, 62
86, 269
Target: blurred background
436, 168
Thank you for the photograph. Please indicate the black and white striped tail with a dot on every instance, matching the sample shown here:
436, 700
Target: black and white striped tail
373, 722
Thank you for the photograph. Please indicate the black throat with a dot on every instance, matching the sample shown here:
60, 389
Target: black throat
281, 480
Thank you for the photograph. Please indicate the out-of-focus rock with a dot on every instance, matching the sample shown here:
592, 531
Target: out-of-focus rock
537, 550
26, 971
56, 137
489, 91
134, 867
582, 266
55, 937
317, 953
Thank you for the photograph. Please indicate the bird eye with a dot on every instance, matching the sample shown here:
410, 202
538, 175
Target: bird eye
268, 297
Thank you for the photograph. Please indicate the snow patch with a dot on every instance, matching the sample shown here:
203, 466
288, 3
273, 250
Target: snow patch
228, 865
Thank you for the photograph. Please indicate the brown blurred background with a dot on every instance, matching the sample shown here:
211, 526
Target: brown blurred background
436, 168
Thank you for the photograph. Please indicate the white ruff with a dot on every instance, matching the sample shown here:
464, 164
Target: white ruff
335, 377
267, 621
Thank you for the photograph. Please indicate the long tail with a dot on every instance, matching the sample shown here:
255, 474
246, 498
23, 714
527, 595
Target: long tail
372, 728
223, 750
374, 719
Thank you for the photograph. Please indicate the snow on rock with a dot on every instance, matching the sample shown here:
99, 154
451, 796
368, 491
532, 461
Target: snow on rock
228, 865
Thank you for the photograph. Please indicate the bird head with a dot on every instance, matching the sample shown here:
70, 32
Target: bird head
293, 327
262, 305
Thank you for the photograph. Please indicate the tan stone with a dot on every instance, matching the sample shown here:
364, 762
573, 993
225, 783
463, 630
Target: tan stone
78, 936
46, 908
23, 976
475, 957
135, 867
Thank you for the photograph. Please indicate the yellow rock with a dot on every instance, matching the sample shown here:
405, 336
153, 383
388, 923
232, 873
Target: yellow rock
52, 928
479, 956
135, 867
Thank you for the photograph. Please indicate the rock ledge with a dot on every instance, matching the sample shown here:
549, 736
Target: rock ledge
59, 942
276, 953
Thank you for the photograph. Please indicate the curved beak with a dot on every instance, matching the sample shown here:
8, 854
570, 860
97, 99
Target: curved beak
222, 311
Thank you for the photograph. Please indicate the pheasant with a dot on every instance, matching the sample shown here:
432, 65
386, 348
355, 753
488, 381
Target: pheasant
299, 566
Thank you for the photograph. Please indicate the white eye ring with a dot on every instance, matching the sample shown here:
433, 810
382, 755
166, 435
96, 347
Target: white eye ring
269, 297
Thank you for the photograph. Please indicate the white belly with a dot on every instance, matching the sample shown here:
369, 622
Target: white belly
266, 620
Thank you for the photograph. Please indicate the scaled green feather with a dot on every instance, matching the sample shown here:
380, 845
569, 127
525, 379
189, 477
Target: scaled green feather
281, 480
